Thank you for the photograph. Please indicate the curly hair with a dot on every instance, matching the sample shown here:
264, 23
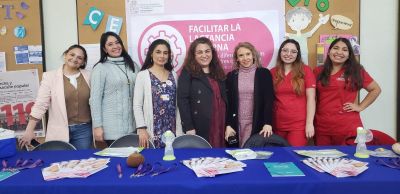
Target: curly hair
194, 68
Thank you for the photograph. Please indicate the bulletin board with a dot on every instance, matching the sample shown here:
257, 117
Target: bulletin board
26, 13
349, 9
110, 7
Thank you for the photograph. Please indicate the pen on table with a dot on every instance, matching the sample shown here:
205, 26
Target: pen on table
119, 170
4, 164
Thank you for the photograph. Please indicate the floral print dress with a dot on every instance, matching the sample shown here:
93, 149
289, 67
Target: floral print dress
164, 107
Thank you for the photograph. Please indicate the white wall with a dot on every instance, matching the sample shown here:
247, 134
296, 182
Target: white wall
379, 27
379, 34
60, 30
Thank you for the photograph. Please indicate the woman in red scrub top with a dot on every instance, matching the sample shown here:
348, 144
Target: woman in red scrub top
294, 85
338, 82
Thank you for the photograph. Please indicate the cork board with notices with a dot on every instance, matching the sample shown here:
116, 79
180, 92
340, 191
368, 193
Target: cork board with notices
346, 21
21, 35
88, 35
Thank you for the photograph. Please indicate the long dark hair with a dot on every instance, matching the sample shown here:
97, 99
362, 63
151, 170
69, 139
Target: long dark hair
148, 62
85, 57
352, 68
297, 69
103, 55
190, 63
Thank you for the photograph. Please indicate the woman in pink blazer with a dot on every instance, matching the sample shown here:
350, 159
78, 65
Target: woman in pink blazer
65, 94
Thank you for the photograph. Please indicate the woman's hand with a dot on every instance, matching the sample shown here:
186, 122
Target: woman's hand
26, 139
229, 131
310, 131
29, 134
143, 138
351, 107
266, 131
98, 133
191, 132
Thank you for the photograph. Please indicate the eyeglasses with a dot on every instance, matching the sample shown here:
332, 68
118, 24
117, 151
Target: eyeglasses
287, 51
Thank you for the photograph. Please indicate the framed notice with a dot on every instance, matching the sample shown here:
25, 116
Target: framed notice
18, 91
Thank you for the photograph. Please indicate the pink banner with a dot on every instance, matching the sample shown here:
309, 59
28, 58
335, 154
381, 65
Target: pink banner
225, 35
225, 23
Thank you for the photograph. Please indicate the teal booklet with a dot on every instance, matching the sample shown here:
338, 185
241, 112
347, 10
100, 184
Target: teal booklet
6, 174
283, 169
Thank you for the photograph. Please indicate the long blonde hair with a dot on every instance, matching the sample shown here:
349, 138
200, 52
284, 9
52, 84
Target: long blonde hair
254, 52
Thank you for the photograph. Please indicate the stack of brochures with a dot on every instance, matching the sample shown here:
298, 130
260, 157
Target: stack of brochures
338, 167
330, 161
210, 167
74, 168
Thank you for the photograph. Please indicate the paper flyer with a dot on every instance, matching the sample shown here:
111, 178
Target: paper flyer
21, 54
93, 53
35, 54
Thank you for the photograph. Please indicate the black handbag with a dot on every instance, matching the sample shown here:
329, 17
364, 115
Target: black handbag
233, 141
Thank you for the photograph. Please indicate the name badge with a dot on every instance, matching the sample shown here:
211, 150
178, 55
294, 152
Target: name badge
164, 97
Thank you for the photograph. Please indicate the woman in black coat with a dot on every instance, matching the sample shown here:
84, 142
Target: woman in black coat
201, 93
250, 96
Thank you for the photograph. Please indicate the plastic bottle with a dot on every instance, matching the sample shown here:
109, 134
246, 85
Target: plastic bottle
168, 137
361, 139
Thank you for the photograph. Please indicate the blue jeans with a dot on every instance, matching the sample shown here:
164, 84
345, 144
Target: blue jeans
81, 135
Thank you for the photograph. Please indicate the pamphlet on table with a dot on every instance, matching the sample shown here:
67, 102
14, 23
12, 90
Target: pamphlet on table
74, 168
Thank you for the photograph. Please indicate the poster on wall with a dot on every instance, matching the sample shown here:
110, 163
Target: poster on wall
225, 24
18, 91
327, 39
92, 50
3, 63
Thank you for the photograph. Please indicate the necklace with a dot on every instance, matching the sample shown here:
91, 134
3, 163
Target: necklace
127, 78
